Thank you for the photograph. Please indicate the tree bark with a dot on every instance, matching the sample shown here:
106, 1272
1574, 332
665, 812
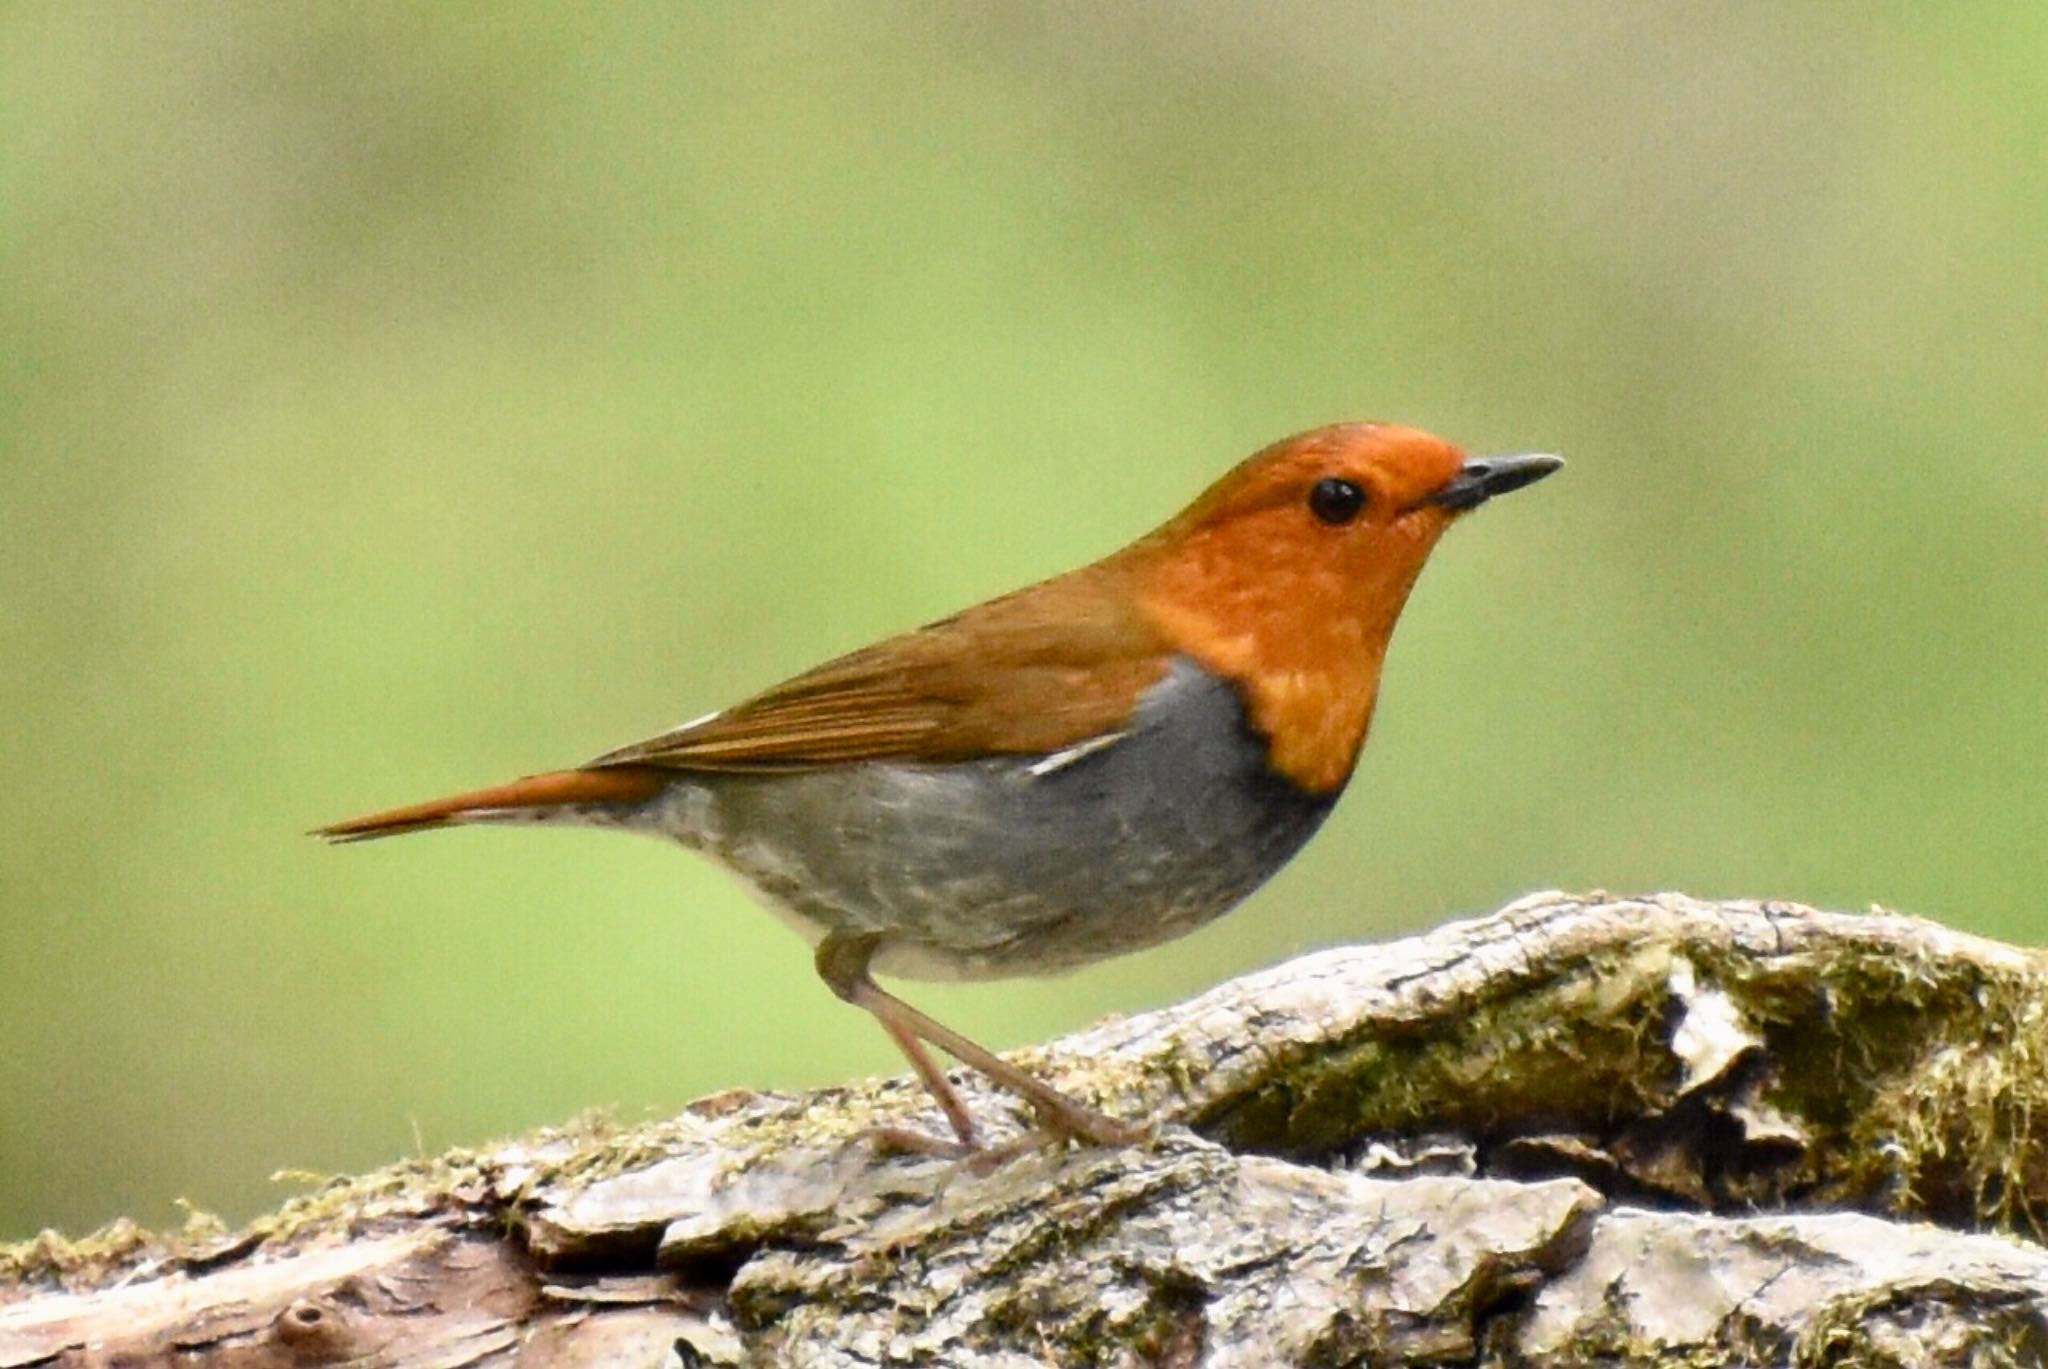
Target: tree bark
1583, 1130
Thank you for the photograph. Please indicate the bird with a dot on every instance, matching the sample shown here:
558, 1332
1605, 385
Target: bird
1089, 766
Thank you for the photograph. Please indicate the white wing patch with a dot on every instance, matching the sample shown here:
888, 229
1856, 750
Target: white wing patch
612, 757
1060, 760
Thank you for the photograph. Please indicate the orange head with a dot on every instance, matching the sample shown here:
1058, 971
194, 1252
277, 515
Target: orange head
1287, 575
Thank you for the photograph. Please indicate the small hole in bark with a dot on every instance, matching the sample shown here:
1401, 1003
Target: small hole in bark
307, 1324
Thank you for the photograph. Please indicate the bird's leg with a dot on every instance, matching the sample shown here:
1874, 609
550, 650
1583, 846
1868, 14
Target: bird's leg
843, 965
842, 961
935, 1080
1058, 1113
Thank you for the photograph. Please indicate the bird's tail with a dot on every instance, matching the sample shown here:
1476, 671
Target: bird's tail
534, 798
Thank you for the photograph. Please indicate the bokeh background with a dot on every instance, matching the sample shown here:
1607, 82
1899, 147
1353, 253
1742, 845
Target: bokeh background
397, 398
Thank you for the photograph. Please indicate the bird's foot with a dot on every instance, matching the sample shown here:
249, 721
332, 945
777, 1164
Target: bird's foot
1069, 1121
890, 1141
1080, 1126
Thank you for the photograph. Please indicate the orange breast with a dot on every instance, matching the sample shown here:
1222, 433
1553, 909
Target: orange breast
1300, 624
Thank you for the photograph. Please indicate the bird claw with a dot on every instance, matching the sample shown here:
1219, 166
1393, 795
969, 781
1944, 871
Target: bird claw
1085, 1126
891, 1141
1073, 1124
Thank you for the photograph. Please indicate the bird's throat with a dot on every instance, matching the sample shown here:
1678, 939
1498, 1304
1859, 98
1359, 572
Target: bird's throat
1303, 645
1310, 696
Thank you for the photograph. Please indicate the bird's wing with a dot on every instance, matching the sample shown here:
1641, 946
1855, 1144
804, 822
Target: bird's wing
1048, 668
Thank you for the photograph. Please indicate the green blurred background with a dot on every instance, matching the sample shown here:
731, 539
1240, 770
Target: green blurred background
397, 398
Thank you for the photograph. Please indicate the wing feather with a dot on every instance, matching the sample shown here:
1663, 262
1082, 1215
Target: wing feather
1047, 668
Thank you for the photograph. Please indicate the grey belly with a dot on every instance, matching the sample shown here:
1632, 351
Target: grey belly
987, 869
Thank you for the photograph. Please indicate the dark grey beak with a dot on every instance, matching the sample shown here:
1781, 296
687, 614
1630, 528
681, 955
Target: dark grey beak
1483, 477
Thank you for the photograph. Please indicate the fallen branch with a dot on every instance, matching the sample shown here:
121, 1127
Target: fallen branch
1581, 1129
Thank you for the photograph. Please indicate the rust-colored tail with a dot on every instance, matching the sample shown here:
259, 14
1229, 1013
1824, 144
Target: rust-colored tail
612, 784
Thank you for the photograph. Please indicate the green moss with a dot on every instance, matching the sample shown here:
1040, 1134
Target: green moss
1887, 1328
1957, 1131
1560, 1048
1920, 1079
1915, 1080
50, 1260
469, 1185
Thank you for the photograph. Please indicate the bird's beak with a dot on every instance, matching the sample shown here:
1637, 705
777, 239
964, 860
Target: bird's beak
1483, 477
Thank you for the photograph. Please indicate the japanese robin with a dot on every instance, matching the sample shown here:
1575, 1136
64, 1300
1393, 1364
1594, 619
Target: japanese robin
1092, 765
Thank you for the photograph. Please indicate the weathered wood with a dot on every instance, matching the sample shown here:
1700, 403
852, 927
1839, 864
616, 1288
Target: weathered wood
1584, 1129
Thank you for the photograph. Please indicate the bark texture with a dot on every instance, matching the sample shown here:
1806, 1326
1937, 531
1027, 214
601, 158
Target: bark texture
1583, 1130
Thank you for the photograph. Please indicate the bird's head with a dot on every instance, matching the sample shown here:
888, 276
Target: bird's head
1288, 574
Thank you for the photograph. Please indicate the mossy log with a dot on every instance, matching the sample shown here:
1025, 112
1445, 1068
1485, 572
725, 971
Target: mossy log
1584, 1130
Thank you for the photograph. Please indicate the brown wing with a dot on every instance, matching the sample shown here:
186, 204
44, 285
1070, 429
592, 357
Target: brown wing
1032, 673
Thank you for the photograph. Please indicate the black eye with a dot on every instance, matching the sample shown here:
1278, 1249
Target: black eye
1335, 501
